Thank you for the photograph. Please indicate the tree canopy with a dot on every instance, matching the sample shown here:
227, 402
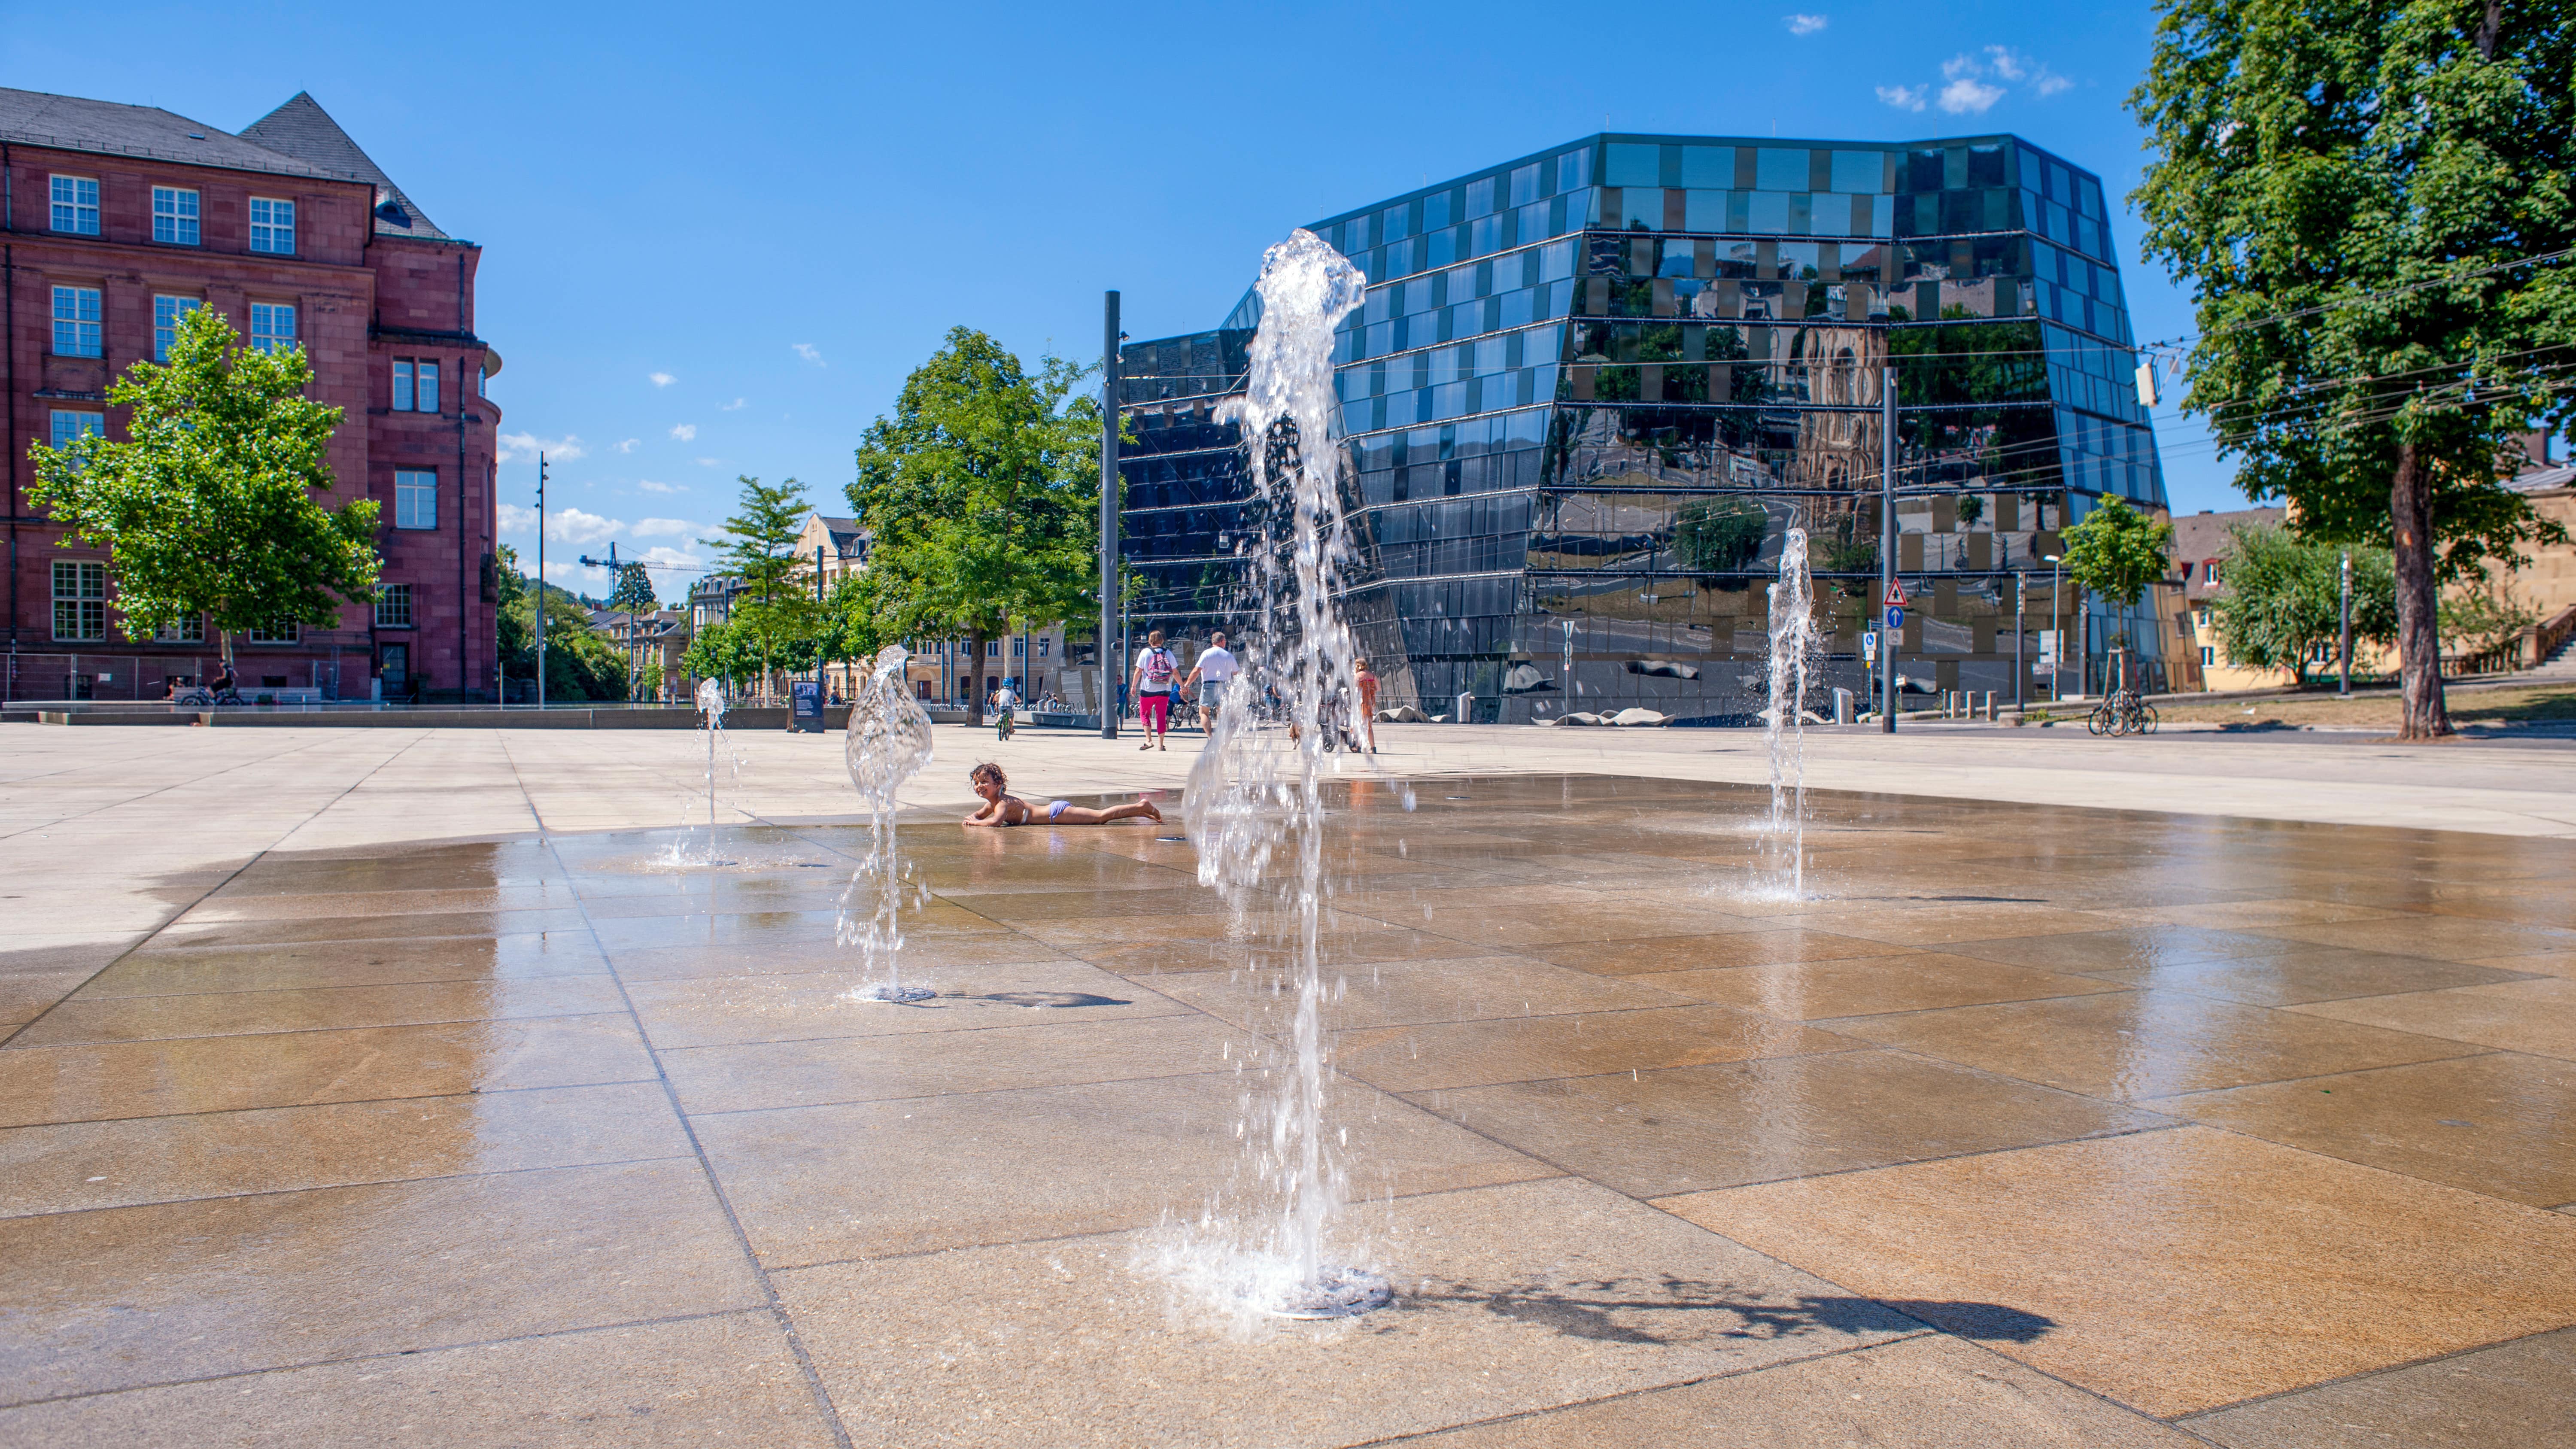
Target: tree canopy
2117, 551
774, 615
982, 491
209, 506
2281, 603
2369, 201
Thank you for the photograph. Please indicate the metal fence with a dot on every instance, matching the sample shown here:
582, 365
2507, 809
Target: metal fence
146, 678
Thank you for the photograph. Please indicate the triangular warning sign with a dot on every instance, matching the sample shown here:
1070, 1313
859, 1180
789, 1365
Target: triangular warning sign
1896, 593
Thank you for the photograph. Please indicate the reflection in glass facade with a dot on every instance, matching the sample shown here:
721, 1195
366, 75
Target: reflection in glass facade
1592, 387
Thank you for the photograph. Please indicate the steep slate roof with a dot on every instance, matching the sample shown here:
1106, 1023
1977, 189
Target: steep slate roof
302, 129
2199, 537
72, 123
847, 536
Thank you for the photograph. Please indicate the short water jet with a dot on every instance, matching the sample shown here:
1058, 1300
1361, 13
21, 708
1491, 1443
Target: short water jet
888, 742
1795, 645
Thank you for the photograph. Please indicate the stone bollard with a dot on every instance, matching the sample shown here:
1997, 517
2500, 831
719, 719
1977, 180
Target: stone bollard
1842, 706
1463, 709
1990, 706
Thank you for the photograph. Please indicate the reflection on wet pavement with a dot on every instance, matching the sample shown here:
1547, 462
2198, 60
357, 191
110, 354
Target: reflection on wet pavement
2026, 1126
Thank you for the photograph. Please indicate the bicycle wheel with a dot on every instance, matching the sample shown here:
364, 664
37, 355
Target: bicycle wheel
2146, 724
2101, 721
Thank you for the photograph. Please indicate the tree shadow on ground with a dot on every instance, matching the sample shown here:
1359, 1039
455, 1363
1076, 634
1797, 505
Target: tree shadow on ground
1670, 1310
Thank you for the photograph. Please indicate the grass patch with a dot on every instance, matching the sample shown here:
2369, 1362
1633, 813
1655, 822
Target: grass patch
2533, 704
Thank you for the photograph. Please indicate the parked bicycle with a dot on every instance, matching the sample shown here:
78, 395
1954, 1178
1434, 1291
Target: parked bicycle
2122, 712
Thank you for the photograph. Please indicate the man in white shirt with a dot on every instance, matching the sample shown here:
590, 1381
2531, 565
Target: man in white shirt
1216, 669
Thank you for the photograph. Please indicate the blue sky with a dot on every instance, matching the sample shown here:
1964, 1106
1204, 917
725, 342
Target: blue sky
716, 239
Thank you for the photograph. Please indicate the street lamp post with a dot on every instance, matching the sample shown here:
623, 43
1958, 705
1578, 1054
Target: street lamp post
1109, 415
541, 581
1888, 634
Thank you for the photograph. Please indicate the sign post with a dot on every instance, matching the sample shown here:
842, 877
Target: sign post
1887, 545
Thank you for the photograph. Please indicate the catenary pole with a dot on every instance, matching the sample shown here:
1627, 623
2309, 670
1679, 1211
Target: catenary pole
541, 581
2344, 607
2021, 674
1887, 637
1109, 335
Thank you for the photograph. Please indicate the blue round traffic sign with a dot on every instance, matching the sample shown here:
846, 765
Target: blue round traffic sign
1895, 619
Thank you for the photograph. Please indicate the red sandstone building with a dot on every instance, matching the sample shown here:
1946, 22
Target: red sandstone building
117, 220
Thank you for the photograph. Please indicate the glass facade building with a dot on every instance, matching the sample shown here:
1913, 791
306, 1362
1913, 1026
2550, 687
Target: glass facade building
1592, 388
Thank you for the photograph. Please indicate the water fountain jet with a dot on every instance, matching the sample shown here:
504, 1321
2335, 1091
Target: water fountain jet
1251, 793
1795, 643
887, 743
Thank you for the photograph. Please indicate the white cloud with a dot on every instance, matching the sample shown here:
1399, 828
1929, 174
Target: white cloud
574, 525
662, 527
2012, 65
711, 462
672, 558
2007, 64
1959, 65
1904, 98
629, 445
685, 432
528, 445
811, 353
1803, 24
2050, 83
1968, 96
649, 486
737, 405
575, 577
515, 519
663, 379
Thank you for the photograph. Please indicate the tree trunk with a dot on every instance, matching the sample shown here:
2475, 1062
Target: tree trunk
975, 681
2419, 598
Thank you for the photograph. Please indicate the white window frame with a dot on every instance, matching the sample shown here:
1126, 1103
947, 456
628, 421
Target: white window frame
191, 630
424, 397
86, 598
264, 320
176, 216
388, 596
75, 205
416, 498
78, 331
402, 384
272, 226
290, 632
169, 309
67, 426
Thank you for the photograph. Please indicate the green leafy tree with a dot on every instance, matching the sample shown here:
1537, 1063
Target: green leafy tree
2483, 614
723, 652
2366, 199
852, 628
2281, 603
775, 614
2117, 552
209, 506
982, 489
580, 664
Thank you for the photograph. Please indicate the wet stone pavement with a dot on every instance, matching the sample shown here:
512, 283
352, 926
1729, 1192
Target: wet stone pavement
2027, 1127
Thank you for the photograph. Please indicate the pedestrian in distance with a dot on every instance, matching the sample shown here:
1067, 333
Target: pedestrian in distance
1006, 703
1367, 686
1157, 671
1208, 679
1003, 809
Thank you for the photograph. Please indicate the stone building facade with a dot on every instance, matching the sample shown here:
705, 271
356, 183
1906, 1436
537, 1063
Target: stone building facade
115, 220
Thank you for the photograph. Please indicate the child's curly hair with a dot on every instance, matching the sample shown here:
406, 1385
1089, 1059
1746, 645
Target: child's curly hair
991, 771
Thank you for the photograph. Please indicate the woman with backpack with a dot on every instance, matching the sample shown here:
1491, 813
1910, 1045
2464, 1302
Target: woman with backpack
1156, 671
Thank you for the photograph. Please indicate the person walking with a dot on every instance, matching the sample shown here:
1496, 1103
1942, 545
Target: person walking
1156, 671
1366, 683
1216, 669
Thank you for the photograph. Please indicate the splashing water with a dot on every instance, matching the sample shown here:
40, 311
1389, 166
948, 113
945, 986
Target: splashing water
888, 743
1251, 793
711, 713
1794, 645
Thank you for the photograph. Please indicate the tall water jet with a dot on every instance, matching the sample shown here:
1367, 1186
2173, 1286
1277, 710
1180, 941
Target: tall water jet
1252, 793
1794, 645
888, 742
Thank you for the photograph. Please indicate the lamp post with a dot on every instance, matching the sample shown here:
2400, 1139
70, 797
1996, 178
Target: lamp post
2057, 631
1887, 634
1110, 337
